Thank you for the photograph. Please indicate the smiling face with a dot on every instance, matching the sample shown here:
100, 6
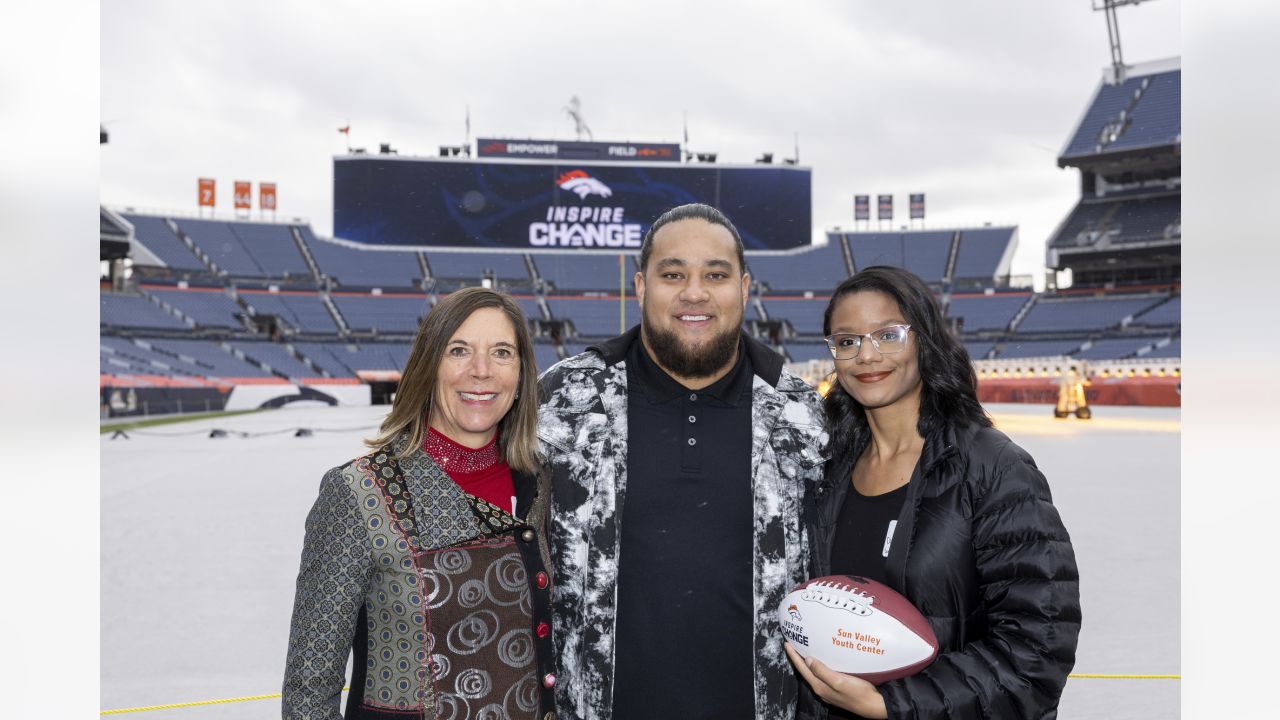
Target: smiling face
692, 294
477, 380
873, 379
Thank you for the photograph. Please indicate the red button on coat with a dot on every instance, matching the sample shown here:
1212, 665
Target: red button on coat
542, 580
548, 680
543, 629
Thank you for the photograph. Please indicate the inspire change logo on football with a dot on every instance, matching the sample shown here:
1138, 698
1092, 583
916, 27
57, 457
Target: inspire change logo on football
586, 226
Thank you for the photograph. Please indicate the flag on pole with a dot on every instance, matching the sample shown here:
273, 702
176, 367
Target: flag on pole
345, 130
917, 206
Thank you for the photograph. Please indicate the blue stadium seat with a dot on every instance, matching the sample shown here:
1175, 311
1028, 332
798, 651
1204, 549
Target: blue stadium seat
1019, 348
155, 235
208, 307
1081, 313
222, 246
123, 310
304, 311
804, 314
981, 252
467, 269
273, 248
1166, 313
595, 317
924, 253
384, 313
1114, 348
986, 312
275, 356
361, 268
817, 270
585, 271
214, 360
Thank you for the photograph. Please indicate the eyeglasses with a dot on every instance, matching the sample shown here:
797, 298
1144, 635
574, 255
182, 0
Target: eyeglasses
886, 341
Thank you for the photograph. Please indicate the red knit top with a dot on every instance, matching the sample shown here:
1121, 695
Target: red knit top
479, 471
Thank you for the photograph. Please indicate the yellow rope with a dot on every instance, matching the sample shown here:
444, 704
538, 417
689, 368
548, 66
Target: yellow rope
1095, 676
196, 703
247, 698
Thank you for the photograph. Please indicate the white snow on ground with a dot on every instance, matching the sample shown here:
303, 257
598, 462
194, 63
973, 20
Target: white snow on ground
201, 539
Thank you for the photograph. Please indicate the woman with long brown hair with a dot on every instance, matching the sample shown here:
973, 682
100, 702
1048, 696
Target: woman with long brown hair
426, 558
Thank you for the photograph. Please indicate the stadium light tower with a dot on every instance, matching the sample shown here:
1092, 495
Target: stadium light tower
1113, 32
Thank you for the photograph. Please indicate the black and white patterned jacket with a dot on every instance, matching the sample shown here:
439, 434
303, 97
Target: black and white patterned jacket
582, 428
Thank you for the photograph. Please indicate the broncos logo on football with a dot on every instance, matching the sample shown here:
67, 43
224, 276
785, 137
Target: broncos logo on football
578, 181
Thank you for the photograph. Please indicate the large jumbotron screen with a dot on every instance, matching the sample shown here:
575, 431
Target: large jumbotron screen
557, 205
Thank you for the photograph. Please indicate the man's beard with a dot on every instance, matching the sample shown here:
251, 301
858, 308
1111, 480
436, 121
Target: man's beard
681, 360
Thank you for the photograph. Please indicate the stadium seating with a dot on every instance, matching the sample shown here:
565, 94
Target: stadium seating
1020, 348
801, 351
371, 356
1124, 220
594, 317
804, 314
924, 253
1156, 118
573, 272
222, 246
276, 357
818, 270
155, 235
304, 311
1166, 313
383, 313
207, 307
1082, 313
545, 356
123, 355
986, 312
1172, 350
981, 252
452, 270
213, 360
1114, 348
272, 248
358, 268
978, 350
133, 311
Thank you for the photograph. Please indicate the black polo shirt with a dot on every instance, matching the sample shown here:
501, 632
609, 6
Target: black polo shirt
685, 621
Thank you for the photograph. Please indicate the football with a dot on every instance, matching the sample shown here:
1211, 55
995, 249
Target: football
857, 626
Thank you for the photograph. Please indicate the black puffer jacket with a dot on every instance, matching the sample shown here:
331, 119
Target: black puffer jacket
983, 554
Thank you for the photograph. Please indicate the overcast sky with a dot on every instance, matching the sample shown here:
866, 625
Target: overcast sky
967, 101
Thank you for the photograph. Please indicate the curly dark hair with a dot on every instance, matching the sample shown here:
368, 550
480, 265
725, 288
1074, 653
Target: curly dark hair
950, 393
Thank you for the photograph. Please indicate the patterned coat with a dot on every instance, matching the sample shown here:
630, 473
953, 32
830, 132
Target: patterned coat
582, 428
443, 598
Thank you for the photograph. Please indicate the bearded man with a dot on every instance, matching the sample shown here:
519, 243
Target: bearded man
680, 454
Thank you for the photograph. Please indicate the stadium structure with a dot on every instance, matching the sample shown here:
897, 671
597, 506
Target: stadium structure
209, 314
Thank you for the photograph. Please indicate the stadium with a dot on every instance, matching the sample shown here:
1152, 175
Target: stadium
211, 314
277, 347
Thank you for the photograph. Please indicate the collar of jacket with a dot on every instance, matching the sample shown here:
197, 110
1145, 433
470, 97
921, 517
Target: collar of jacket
765, 363
434, 495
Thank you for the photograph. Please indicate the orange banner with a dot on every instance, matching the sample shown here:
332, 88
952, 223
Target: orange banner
267, 196
205, 195
244, 195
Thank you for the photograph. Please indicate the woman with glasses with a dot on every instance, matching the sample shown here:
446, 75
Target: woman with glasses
426, 558
924, 495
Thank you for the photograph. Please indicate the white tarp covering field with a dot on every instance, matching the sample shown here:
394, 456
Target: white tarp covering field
201, 539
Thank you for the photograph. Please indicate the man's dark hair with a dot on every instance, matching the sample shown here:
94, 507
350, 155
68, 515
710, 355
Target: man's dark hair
950, 393
692, 211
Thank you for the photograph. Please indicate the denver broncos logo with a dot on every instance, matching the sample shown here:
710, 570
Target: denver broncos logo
578, 181
794, 612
